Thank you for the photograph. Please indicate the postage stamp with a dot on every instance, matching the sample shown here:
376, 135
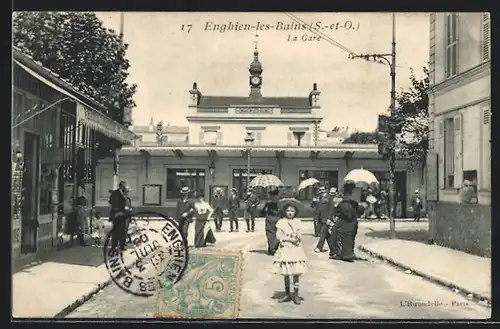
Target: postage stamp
210, 288
155, 254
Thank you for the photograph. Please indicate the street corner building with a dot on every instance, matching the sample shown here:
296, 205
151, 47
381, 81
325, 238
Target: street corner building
226, 135
58, 135
459, 159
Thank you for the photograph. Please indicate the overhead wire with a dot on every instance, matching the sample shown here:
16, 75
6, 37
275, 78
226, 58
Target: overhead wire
329, 39
319, 33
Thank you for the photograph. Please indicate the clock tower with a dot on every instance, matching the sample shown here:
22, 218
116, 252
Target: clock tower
255, 75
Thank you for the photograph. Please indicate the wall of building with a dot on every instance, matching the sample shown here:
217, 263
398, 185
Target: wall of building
132, 170
469, 36
272, 133
452, 223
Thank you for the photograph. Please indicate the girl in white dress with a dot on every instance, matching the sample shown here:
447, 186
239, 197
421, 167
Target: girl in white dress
290, 259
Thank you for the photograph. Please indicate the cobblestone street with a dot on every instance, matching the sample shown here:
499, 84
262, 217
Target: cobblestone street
331, 289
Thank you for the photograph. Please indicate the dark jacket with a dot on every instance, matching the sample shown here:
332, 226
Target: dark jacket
416, 205
219, 203
347, 210
252, 201
185, 206
118, 202
233, 202
324, 207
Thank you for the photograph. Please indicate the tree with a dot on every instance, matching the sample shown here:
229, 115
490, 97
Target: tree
362, 138
412, 113
81, 50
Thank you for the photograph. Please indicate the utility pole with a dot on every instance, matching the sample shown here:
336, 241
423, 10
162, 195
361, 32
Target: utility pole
390, 59
121, 23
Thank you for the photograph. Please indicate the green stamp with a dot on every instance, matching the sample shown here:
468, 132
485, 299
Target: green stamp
209, 288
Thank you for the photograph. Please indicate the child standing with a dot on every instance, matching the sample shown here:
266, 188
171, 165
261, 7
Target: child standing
290, 259
99, 230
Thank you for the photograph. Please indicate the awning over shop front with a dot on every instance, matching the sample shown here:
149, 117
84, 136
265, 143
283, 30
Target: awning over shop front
85, 113
347, 151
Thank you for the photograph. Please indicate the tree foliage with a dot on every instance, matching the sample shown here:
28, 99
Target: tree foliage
359, 137
412, 113
81, 50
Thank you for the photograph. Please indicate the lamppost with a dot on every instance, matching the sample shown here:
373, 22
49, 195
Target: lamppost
390, 59
248, 142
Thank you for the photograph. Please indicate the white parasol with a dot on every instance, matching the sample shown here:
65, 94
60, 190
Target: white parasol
361, 177
266, 181
306, 183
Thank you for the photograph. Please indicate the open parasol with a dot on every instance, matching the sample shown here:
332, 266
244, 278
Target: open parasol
306, 183
267, 180
361, 177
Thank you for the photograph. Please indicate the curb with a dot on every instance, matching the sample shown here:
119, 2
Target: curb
465, 292
83, 299
80, 301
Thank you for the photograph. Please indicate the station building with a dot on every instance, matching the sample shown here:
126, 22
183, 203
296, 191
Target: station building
211, 151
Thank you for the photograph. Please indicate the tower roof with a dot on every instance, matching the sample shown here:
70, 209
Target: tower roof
255, 66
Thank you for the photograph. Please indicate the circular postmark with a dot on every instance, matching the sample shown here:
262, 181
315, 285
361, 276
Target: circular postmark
157, 255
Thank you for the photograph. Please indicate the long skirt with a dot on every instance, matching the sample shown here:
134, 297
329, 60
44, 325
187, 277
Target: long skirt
272, 241
199, 234
345, 234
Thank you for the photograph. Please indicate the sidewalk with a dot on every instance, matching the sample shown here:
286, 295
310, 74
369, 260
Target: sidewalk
60, 284
68, 279
468, 273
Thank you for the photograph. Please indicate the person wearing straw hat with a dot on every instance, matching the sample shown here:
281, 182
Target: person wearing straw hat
203, 214
251, 201
290, 260
234, 206
185, 210
218, 205
416, 204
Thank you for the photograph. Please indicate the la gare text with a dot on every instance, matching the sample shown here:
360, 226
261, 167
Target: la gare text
303, 38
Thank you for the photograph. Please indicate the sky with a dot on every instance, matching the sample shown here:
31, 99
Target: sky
168, 51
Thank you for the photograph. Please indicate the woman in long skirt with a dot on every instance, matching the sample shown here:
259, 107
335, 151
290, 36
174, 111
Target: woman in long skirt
271, 212
290, 260
203, 214
346, 227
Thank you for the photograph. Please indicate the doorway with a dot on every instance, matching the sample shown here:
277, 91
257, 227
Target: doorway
401, 193
29, 210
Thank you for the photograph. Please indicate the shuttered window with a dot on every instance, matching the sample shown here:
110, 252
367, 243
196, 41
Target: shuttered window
449, 153
486, 149
457, 152
451, 68
486, 37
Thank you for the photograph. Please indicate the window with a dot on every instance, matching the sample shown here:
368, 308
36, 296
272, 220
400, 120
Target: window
451, 44
257, 137
486, 38
210, 137
449, 153
486, 149
326, 178
240, 179
298, 138
177, 178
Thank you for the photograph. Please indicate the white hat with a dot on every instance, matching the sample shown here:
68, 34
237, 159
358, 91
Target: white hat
185, 190
416, 191
332, 191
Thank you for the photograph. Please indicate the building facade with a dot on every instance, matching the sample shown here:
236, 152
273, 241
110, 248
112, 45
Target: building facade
285, 141
56, 131
459, 168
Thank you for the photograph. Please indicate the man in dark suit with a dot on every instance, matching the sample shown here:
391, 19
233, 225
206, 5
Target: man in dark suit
314, 205
185, 210
119, 215
325, 205
234, 206
218, 205
251, 201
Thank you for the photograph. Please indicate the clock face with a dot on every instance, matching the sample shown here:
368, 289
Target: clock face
255, 81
